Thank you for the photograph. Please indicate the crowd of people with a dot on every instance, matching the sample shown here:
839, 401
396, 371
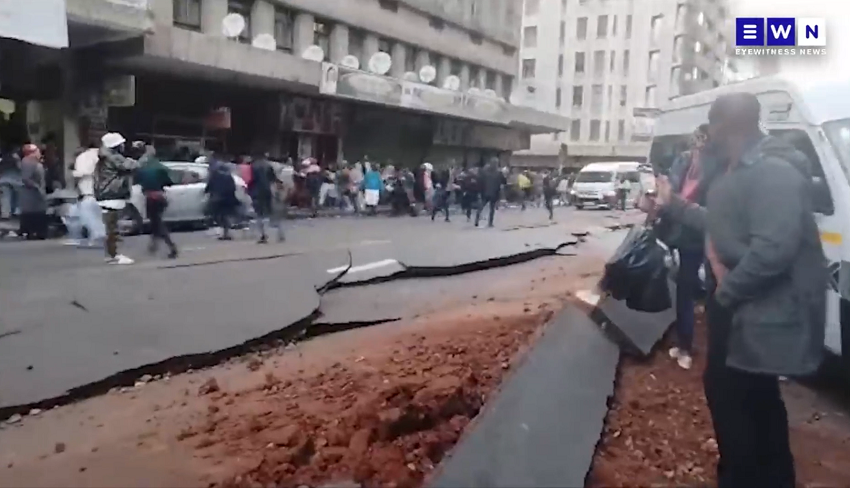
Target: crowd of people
740, 201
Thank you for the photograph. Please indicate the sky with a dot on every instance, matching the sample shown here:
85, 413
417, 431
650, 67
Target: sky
836, 63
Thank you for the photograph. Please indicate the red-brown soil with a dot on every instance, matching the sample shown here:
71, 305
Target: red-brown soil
659, 432
386, 420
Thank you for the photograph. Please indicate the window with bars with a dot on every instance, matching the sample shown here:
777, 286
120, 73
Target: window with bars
284, 21
187, 13
242, 8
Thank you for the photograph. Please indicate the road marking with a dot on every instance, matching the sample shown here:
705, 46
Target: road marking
363, 267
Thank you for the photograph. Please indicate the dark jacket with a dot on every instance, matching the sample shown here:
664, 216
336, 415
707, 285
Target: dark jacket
153, 176
673, 233
222, 189
490, 183
113, 175
32, 197
262, 177
760, 219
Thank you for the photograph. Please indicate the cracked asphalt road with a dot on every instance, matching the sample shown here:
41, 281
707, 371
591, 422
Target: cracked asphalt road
67, 321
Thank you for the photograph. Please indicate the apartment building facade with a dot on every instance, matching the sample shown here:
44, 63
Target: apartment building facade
598, 61
177, 78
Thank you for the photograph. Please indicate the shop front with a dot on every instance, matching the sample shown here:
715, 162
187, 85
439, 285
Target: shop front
311, 127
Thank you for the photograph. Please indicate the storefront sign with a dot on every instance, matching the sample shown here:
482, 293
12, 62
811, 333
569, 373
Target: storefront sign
302, 114
40, 22
218, 119
432, 99
351, 83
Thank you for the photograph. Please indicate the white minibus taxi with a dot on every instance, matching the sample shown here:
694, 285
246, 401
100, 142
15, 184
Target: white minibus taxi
816, 120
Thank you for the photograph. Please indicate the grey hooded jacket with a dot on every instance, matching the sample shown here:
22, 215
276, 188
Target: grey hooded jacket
760, 219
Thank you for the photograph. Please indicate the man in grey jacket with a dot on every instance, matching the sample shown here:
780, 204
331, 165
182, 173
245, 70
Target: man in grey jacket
768, 277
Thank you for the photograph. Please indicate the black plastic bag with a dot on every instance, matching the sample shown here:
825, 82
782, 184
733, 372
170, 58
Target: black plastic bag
637, 273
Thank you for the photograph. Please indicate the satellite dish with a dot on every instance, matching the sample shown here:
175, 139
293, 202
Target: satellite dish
350, 61
491, 93
410, 76
474, 91
314, 53
427, 74
232, 25
451, 82
380, 63
266, 42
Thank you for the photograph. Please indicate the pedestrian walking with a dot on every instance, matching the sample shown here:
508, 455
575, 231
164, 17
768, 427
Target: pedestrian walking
525, 189
490, 184
112, 186
550, 190
442, 194
624, 186
33, 194
153, 178
470, 189
372, 188
221, 191
261, 190
428, 185
766, 309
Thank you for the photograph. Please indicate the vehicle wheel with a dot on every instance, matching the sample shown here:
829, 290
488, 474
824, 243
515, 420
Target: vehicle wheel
130, 222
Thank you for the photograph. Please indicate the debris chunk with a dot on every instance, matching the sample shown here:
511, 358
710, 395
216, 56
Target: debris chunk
209, 386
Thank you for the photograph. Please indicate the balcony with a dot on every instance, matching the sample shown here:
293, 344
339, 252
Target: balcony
94, 21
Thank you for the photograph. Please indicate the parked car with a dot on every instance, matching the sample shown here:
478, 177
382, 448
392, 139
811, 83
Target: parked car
186, 199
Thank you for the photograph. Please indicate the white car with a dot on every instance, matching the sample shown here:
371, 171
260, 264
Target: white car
186, 198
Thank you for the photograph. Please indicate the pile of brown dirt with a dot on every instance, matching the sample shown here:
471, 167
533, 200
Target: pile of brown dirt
659, 432
384, 420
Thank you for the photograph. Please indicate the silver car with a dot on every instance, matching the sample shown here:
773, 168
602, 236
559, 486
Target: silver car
186, 198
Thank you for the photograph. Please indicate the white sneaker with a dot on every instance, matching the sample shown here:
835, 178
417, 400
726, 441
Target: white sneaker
684, 361
120, 259
674, 352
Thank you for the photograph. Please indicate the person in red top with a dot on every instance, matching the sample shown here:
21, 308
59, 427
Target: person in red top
245, 170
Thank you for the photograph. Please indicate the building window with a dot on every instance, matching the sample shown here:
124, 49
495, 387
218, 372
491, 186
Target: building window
681, 11
621, 130
532, 7
562, 32
649, 99
612, 62
529, 36
187, 13
507, 87
578, 96
628, 27
594, 130
575, 129
384, 46
560, 65
473, 77
581, 28
457, 66
284, 22
322, 36
624, 92
610, 96
598, 63
410, 59
602, 27
491, 80
558, 98
528, 68
655, 28
614, 27
677, 49
596, 98
626, 62
652, 70
355, 44
579, 68
607, 136
243, 9
675, 81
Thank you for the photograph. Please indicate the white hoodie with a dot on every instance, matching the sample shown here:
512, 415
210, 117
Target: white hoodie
84, 167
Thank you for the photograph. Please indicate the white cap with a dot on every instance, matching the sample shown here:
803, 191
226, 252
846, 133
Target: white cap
112, 140
428, 166
202, 160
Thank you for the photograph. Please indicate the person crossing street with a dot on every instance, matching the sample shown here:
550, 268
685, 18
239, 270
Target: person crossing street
153, 178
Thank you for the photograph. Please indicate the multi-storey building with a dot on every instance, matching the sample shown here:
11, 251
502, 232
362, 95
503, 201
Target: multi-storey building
172, 74
596, 61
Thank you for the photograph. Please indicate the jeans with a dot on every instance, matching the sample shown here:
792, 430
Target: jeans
492, 202
440, 204
155, 207
687, 287
749, 416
